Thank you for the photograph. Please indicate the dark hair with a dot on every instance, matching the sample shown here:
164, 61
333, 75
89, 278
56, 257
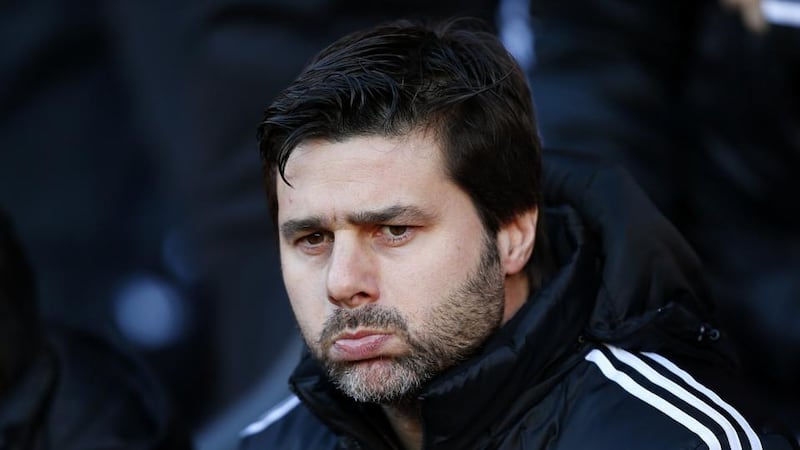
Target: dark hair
453, 79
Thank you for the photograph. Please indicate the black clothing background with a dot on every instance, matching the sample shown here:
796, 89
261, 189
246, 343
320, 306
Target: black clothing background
127, 147
706, 115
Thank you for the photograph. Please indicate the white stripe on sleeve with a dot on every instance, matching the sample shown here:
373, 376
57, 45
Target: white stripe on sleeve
271, 416
755, 443
651, 374
628, 384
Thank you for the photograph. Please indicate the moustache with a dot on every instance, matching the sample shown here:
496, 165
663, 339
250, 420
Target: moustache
369, 316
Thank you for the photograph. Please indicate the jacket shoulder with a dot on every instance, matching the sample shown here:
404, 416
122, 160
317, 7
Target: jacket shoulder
287, 426
657, 403
620, 399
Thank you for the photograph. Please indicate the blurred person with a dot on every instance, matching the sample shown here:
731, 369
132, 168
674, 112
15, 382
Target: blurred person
700, 101
449, 300
64, 390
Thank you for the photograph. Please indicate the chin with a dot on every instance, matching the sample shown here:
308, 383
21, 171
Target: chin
378, 380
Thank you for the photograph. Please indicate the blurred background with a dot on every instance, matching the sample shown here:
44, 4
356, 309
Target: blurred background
129, 164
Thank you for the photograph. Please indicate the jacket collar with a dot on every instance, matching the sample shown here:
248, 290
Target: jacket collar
653, 295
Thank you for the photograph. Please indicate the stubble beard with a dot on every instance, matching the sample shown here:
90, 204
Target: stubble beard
454, 330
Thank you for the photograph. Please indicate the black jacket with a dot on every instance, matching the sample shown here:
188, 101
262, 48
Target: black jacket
556, 375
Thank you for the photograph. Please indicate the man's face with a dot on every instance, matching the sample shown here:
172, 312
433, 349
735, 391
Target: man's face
387, 265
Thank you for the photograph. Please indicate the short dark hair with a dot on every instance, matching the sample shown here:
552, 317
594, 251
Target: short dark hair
453, 78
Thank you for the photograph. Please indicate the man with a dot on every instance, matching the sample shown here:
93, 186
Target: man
402, 169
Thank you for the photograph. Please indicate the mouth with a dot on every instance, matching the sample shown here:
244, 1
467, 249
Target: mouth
361, 345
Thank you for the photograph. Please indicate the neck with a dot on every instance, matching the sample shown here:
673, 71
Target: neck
406, 424
517, 289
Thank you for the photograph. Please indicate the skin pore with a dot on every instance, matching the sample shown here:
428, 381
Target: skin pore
389, 270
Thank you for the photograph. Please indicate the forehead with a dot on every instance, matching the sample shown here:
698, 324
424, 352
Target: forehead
361, 172
413, 151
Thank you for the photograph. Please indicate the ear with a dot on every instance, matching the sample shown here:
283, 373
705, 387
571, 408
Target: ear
515, 241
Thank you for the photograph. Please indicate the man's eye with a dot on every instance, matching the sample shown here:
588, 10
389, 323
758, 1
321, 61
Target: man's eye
396, 234
396, 230
314, 239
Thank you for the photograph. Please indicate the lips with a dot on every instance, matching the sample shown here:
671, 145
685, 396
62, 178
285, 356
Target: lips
360, 346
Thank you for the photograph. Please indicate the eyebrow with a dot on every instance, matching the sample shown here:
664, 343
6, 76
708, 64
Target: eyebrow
394, 213
294, 227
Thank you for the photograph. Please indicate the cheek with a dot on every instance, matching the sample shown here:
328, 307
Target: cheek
309, 305
420, 284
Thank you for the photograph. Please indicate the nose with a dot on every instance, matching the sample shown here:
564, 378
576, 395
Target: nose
352, 278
